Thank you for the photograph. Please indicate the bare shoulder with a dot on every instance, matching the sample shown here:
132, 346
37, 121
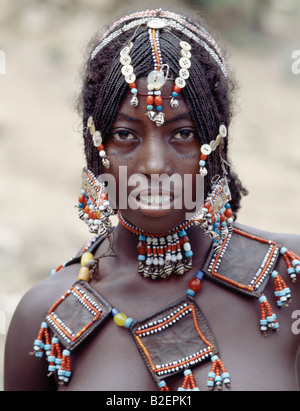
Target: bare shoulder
23, 330
290, 241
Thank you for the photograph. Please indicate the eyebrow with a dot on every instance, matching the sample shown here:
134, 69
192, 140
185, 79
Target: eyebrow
182, 116
123, 116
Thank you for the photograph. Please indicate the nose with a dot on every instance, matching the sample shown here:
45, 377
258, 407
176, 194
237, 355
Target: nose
155, 156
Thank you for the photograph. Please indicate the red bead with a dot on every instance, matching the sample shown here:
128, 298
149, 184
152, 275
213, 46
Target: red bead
142, 247
228, 213
183, 240
222, 218
195, 284
81, 199
203, 157
132, 85
101, 147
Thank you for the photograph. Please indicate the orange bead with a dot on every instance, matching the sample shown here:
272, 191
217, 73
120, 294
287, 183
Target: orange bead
177, 89
149, 100
158, 100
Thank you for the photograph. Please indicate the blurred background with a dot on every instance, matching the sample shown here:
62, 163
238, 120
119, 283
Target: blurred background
42, 51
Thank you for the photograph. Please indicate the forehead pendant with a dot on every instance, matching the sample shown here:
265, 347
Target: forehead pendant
157, 78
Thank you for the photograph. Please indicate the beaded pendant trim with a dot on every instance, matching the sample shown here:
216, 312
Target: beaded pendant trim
246, 263
91, 310
228, 269
174, 339
68, 323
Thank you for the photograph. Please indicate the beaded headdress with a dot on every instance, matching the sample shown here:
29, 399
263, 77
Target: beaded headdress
156, 21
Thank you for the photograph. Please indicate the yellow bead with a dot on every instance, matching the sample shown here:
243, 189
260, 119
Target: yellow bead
85, 258
120, 319
84, 274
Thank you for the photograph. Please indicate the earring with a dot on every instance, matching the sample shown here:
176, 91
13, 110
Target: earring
215, 217
97, 140
93, 205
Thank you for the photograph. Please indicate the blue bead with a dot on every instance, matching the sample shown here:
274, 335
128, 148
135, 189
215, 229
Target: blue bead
141, 257
149, 107
66, 353
174, 94
142, 237
134, 91
161, 384
189, 253
80, 205
83, 192
190, 292
114, 311
227, 205
128, 322
202, 163
159, 108
52, 368
283, 250
182, 233
200, 275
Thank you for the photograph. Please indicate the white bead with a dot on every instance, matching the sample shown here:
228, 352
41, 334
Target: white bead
184, 62
187, 247
185, 45
180, 82
127, 70
102, 153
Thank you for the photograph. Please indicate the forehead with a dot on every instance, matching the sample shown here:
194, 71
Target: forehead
182, 110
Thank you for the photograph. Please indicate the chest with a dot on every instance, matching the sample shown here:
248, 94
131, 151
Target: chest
111, 361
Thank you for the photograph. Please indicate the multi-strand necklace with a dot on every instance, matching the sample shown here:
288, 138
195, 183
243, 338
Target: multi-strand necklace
160, 255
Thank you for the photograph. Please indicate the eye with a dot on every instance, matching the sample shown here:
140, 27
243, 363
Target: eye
123, 135
184, 135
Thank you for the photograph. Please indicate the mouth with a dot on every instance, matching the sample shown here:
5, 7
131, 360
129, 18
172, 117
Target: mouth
153, 203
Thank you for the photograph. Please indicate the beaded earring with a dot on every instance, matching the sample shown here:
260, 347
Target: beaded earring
215, 217
93, 205
97, 140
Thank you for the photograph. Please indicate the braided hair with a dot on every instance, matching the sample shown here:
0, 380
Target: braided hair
207, 92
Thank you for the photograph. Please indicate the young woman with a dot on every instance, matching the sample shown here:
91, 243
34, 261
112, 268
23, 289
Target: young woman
178, 295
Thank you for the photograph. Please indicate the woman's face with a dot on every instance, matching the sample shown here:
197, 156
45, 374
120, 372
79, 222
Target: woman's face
155, 168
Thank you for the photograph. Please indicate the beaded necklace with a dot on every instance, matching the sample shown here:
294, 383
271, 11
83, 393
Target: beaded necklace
161, 255
81, 310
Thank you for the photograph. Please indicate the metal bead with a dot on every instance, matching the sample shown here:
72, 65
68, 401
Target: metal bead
160, 119
173, 102
134, 101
